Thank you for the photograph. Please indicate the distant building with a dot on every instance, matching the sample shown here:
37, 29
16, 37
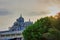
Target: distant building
18, 26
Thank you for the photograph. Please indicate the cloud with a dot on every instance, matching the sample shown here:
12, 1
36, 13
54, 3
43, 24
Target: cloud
4, 12
51, 1
28, 8
35, 13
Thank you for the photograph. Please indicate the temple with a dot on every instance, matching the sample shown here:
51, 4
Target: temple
16, 29
20, 24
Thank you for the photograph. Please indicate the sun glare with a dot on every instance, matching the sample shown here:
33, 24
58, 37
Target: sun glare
53, 10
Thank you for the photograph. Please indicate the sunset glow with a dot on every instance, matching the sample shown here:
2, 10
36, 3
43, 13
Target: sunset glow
54, 10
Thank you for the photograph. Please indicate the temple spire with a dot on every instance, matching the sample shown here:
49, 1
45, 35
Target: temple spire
20, 15
29, 20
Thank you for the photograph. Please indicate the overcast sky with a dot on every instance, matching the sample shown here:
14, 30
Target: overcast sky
10, 10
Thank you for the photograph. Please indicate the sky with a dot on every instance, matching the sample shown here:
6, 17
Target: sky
10, 10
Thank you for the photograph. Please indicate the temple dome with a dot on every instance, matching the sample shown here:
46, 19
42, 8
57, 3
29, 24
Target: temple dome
20, 19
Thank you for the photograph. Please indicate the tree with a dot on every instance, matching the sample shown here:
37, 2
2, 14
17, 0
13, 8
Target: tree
57, 24
35, 31
47, 28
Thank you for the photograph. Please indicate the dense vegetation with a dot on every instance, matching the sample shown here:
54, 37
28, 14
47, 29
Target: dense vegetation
47, 28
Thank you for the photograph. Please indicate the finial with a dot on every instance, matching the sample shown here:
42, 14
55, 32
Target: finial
29, 20
20, 15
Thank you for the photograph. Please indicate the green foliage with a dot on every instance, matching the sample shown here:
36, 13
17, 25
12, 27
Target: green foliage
43, 29
57, 25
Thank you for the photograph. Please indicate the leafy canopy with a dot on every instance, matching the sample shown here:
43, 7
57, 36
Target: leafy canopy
43, 29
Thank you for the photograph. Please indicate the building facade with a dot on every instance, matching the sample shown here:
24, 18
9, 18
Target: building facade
18, 26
